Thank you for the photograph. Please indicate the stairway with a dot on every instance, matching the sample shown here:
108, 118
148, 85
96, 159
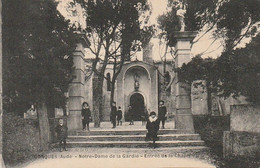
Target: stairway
132, 138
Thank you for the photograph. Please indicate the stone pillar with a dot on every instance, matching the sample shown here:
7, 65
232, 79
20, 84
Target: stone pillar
76, 87
183, 118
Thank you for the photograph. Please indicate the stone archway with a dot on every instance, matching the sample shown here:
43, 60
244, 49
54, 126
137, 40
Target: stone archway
138, 105
147, 79
129, 88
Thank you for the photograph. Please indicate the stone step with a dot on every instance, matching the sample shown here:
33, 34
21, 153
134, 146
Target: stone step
127, 132
164, 137
132, 144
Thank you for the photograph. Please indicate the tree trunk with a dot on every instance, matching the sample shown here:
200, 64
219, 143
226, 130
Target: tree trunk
1, 87
209, 97
97, 100
112, 92
44, 126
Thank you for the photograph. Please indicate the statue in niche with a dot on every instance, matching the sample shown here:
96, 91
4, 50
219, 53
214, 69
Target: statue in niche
136, 79
181, 15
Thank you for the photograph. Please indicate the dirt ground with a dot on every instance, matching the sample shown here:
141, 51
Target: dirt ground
124, 157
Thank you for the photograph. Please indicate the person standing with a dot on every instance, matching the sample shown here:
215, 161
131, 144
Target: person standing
131, 115
162, 113
152, 127
62, 134
119, 116
86, 115
113, 114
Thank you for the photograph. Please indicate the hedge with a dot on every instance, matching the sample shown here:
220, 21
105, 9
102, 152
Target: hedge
20, 139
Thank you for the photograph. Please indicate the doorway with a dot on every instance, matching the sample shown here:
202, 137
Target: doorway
137, 104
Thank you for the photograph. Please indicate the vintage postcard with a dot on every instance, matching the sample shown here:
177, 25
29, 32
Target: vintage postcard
130, 83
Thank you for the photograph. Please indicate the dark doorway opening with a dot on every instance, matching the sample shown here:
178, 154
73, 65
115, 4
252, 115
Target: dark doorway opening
137, 104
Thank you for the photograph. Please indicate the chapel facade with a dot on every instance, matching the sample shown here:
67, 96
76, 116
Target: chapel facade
139, 85
142, 83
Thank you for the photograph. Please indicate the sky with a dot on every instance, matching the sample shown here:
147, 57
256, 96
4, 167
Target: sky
159, 7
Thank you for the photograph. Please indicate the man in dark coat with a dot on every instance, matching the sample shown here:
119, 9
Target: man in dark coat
86, 115
113, 114
152, 127
162, 113
62, 134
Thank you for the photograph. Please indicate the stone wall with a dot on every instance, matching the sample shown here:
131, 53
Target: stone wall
245, 118
243, 139
241, 144
221, 106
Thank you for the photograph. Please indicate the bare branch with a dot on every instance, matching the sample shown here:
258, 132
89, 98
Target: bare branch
242, 36
170, 83
157, 69
214, 50
208, 46
100, 74
113, 33
88, 76
94, 41
114, 52
208, 30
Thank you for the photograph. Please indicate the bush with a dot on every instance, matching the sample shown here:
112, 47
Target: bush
241, 162
20, 139
211, 129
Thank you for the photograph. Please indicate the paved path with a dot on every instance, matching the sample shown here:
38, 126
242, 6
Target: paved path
123, 158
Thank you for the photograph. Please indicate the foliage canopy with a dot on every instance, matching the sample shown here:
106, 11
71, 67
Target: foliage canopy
234, 73
37, 50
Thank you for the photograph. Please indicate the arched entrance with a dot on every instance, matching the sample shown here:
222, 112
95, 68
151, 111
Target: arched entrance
137, 104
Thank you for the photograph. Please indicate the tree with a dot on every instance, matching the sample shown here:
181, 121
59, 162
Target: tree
112, 27
37, 48
130, 46
232, 20
203, 72
236, 71
233, 74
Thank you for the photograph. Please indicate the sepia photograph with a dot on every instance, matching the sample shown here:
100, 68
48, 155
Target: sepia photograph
129, 83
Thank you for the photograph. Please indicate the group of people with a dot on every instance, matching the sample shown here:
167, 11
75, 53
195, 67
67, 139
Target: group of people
116, 115
152, 125
153, 122
62, 130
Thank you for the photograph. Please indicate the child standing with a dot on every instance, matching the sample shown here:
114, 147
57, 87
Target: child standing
152, 127
119, 116
86, 115
62, 134
162, 112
